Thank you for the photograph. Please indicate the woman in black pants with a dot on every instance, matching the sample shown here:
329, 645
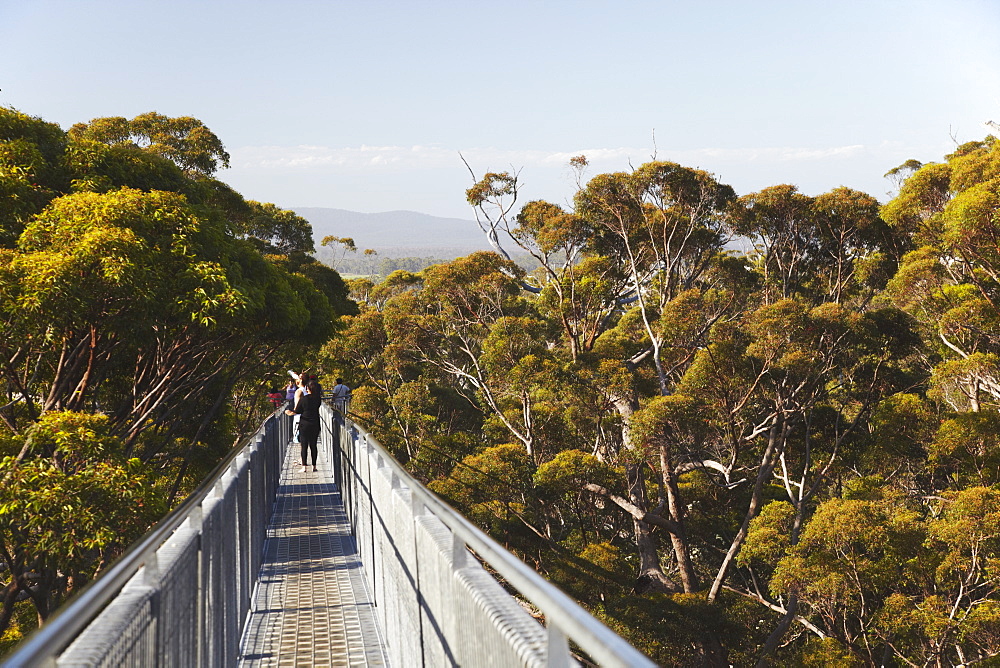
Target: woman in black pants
308, 411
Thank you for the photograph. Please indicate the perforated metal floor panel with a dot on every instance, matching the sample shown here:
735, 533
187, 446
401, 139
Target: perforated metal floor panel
310, 607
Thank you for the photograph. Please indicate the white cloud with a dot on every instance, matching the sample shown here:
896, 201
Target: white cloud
428, 157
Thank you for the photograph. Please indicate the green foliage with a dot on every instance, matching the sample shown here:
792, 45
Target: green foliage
491, 186
184, 140
569, 471
967, 445
139, 321
278, 231
502, 473
770, 534
31, 172
705, 446
825, 652
493, 488
66, 513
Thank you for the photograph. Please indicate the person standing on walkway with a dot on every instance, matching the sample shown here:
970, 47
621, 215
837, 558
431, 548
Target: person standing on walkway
277, 397
341, 396
290, 396
307, 408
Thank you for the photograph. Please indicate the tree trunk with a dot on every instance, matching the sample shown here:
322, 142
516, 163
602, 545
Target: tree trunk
9, 596
651, 576
678, 539
779, 632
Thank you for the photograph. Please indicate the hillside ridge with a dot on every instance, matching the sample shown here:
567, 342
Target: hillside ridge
397, 233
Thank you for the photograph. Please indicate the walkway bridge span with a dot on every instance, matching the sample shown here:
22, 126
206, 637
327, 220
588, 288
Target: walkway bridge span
393, 575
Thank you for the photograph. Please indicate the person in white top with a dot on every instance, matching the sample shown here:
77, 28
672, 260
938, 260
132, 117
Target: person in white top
300, 381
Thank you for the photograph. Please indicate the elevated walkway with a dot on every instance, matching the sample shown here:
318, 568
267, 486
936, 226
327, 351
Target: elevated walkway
354, 565
310, 606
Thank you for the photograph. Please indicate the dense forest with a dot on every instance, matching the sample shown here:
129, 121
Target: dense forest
144, 308
788, 455
374, 266
377, 268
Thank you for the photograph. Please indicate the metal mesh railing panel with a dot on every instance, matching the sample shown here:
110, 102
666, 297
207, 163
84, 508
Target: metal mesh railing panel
221, 629
439, 623
468, 618
403, 578
126, 636
177, 561
399, 585
212, 627
260, 503
244, 574
382, 548
364, 534
493, 628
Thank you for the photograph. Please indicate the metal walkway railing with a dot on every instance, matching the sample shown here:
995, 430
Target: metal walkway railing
182, 594
435, 603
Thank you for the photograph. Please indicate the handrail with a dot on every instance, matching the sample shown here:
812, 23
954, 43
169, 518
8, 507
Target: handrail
603, 644
565, 617
69, 620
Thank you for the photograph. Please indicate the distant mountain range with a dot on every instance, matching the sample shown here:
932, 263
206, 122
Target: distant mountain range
397, 233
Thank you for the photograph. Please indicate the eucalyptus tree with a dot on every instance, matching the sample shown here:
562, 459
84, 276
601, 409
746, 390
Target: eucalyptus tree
184, 140
636, 277
950, 282
137, 310
31, 173
894, 567
816, 247
66, 512
380, 352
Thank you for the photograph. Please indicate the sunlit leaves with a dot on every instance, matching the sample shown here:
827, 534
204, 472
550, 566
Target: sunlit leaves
850, 549
278, 230
30, 169
570, 470
126, 250
183, 140
551, 229
490, 486
62, 512
770, 534
967, 445
492, 186
922, 197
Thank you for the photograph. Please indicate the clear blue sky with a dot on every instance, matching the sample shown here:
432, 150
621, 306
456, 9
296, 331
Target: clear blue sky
365, 105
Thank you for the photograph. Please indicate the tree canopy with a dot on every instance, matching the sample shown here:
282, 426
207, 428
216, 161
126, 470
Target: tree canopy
144, 309
782, 455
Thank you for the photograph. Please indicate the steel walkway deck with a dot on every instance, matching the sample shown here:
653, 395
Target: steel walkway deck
311, 607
